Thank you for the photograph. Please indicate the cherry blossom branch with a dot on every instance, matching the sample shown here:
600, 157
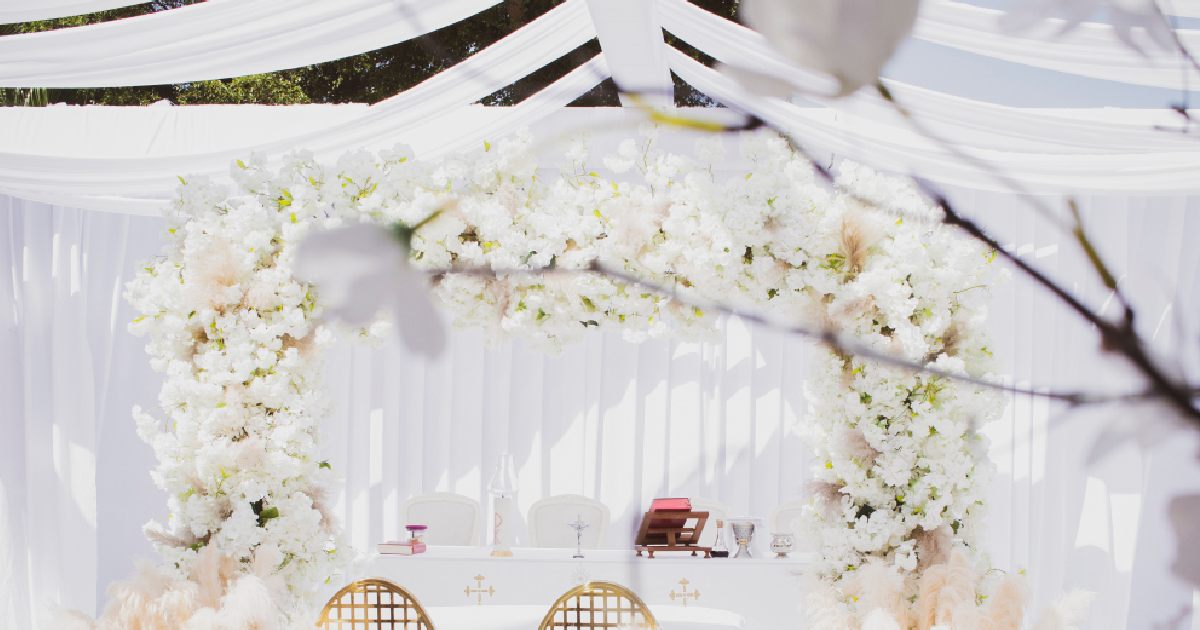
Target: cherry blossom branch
1076, 229
1120, 338
827, 336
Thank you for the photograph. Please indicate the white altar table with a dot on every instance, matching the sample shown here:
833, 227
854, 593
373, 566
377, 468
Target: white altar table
527, 617
765, 592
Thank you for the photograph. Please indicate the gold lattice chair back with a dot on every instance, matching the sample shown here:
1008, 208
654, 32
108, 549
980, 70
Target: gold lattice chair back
599, 605
373, 605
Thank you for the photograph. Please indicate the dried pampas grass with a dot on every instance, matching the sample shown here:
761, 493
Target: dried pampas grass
826, 492
945, 588
855, 240
247, 606
933, 547
879, 587
320, 502
155, 533
151, 600
211, 573
1005, 609
213, 597
855, 446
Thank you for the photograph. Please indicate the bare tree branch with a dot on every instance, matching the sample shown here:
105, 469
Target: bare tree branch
828, 336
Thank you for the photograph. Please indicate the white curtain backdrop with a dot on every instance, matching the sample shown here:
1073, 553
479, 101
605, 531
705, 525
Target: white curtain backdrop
620, 422
73, 485
219, 39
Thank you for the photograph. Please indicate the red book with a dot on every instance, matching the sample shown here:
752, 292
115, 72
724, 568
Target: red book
671, 505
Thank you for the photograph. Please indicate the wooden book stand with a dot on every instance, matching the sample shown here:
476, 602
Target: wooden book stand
669, 531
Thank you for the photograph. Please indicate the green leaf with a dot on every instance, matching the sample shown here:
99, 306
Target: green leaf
267, 514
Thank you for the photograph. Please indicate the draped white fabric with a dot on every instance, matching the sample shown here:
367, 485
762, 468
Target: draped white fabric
13, 11
219, 39
893, 148
227, 38
73, 488
47, 158
608, 419
1048, 150
127, 160
1090, 49
429, 116
966, 122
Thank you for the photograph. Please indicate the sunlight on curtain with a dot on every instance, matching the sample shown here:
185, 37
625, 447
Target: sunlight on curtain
605, 418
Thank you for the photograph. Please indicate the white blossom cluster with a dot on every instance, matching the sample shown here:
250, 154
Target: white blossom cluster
901, 466
236, 335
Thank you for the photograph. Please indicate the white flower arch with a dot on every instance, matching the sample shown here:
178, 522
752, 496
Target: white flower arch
900, 468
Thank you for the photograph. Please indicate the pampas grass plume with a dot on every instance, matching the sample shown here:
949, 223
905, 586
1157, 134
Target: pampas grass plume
944, 588
1006, 607
879, 586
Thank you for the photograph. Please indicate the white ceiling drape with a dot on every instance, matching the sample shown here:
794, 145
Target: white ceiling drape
430, 116
828, 133
227, 38
111, 185
14, 11
964, 121
1089, 49
1048, 150
219, 39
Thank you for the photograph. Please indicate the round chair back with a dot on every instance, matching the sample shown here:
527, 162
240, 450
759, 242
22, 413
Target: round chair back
371, 605
598, 605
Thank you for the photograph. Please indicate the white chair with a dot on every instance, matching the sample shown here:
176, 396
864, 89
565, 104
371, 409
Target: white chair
549, 521
452, 518
716, 510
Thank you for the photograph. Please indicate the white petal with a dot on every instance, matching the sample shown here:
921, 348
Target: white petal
419, 323
850, 40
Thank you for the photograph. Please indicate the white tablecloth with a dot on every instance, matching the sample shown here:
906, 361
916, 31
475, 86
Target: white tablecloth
762, 593
528, 617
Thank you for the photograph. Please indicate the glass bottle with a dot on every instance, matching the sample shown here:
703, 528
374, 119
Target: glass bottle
719, 549
503, 488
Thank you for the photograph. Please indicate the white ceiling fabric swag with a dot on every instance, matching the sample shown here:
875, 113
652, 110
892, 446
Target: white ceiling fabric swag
219, 39
14, 11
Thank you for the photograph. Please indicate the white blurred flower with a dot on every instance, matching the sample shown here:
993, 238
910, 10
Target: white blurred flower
848, 40
363, 269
